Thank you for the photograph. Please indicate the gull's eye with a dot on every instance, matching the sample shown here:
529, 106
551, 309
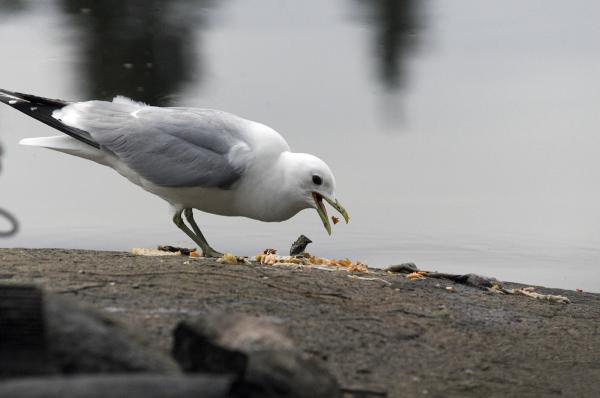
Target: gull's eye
317, 180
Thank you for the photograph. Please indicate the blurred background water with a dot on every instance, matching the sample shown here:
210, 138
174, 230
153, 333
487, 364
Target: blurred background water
463, 135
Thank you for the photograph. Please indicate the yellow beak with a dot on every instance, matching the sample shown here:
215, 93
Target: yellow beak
318, 198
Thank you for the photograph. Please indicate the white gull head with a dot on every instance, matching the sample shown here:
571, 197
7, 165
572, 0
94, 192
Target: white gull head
279, 187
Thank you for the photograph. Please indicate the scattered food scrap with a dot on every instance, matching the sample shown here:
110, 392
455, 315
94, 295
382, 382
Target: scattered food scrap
450, 289
496, 288
229, 258
530, 292
274, 259
165, 251
335, 220
184, 251
358, 267
308, 260
138, 251
417, 275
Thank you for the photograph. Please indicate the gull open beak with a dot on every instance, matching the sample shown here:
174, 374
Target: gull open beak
318, 198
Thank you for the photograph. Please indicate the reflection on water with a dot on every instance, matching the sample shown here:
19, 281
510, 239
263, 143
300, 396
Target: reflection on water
395, 25
12, 6
141, 49
146, 49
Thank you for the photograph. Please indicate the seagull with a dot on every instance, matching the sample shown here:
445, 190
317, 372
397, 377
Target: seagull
193, 158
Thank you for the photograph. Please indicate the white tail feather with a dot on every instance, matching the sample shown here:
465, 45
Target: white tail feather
69, 145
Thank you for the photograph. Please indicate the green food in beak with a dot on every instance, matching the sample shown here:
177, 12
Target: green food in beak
318, 198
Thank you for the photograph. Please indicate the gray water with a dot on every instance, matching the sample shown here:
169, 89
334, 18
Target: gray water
463, 135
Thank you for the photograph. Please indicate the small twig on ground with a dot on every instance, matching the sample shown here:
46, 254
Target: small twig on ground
363, 278
478, 281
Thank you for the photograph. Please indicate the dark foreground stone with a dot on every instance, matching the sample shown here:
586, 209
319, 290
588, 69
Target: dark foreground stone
81, 339
23, 349
236, 355
42, 333
257, 351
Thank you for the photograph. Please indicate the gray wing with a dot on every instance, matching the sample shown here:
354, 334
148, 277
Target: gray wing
171, 147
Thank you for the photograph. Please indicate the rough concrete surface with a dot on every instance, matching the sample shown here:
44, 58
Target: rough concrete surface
386, 337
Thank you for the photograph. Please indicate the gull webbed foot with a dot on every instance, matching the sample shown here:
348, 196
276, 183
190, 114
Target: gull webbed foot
210, 252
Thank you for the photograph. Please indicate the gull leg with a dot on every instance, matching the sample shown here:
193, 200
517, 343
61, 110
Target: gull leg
196, 235
181, 225
206, 249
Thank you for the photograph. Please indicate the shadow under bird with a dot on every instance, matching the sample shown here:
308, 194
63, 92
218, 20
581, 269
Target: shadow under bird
193, 158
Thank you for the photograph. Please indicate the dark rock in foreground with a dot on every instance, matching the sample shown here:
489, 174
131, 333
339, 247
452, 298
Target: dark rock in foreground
47, 334
83, 340
257, 351
236, 355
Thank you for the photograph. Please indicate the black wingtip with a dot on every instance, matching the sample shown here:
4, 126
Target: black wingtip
8, 97
41, 109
